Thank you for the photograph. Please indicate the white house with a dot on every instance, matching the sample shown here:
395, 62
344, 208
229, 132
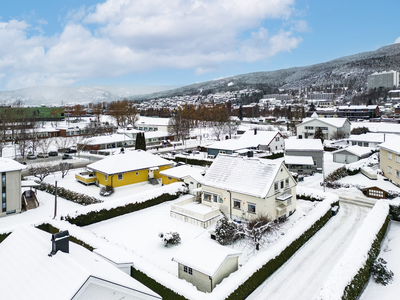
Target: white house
243, 187
310, 148
205, 264
10, 171
28, 271
263, 140
330, 127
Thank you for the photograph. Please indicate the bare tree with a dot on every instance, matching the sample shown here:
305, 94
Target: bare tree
41, 171
64, 168
44, 144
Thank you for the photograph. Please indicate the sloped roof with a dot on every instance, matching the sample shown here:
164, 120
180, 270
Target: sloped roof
105, 139
303, 145
128, 162
8, 165
299, 160
206, 258
25, 260
367, 137
182, 172
250, 176
391, 145
336, 122
356, 150
261, 138
228, 145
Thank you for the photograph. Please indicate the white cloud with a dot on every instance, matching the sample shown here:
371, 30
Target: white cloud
397, 40
134, 36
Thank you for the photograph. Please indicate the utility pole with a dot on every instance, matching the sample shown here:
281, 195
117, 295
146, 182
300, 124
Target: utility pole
55, 202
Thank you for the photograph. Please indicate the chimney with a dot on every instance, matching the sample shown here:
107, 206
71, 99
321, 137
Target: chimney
60, 241
255, 131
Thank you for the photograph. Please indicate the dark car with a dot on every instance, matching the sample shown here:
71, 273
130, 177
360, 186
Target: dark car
70, 150
67, 156
53, 153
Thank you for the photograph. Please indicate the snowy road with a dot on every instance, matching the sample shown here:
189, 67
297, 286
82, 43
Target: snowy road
304, 274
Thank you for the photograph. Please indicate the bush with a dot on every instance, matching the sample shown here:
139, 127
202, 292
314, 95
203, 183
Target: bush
226, 231
106, 190
170, 238
67, 194
359, 130
380, 273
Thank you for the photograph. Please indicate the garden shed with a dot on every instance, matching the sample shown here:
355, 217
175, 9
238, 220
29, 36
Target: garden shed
351, 154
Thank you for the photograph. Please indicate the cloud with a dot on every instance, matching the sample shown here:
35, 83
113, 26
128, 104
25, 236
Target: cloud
397, 40
123, 36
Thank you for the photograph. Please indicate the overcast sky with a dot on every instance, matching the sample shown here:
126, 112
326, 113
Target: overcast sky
179, 42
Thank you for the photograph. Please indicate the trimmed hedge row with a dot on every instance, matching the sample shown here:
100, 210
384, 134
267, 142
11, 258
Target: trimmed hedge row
356, 286
51, 229
394, 211
192, 161
68, 195
158, 288
274, 156
3, 236
309, 198
105, 214
255, 280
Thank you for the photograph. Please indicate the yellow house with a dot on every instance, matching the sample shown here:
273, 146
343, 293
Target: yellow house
390, 159
129, 168
190, 175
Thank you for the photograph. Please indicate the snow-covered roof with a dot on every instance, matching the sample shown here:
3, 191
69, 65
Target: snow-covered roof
152, 121
156, 134
357, 107
182, 172
261, 138
128, 162
299, 160
392, 145
8, 165
250, 176
25, 259
206, 258
367, 137
379, 127
356, 150
106, 139
231, 145
336, 122
303, 145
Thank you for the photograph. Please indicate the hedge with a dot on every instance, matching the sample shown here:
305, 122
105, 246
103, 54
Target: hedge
68, 195
394, 211
255, 280
356, 286
105, 214
158, 288
51, 229
3, 236
192, 161
274, 156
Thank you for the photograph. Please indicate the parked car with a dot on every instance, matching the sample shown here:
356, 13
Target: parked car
31, 156
71, 150
67, 156
53, 153
42, 155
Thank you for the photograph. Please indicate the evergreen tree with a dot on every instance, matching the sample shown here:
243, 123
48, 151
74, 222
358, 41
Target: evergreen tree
140, 141
240, 113
319, 134
312, 107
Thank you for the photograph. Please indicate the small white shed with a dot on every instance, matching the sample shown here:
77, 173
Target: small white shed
205, 264
351, 154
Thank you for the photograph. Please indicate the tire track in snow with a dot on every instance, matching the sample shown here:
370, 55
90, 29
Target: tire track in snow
304, 273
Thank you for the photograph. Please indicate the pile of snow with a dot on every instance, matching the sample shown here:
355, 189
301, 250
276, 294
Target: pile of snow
356, 255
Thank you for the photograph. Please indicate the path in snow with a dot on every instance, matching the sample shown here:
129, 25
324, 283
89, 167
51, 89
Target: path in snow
304, 274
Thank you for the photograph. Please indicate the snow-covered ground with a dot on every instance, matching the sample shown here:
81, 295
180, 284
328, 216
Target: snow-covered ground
303, 275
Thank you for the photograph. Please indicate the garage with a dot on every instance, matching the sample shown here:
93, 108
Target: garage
351, 154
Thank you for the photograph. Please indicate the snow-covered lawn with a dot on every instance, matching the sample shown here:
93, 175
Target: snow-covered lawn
390, 252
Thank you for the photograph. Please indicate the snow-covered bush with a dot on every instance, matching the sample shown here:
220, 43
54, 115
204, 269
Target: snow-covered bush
106, 190
260, 230
380, 273
227, 232
170, 238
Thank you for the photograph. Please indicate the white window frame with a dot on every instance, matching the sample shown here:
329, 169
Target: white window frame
398, 159
188, 270
237, 201
105, 177
389, 169
251, 211
276, 186
206, 198
389, 156
120, 176
397, 174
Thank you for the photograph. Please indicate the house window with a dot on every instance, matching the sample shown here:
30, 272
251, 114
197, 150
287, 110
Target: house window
222, 152
287, 182
282, 184
276, 186
137, 173
207, 197
277, 139
389, 155
169, 178
398, 159
215, 198
309, 127
188, 270
365, 144
120, 176
390, 170
289, 201
236, 204
251, 208
397, 173
105, 178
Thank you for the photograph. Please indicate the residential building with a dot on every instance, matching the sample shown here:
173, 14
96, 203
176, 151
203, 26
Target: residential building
128, 168
371, 140
10, 171
311, 148
300, 164
190, 175
31, 270
205, 265
387, 79
390, 160
106, 142
151, 124
331, 127
356, 112
243, 187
